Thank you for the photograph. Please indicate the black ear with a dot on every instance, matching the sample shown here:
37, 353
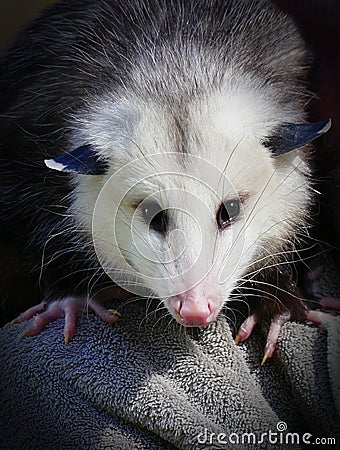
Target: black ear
81, 160
290, 136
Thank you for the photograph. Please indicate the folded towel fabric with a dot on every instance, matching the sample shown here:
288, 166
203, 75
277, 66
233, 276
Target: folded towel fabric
148, 383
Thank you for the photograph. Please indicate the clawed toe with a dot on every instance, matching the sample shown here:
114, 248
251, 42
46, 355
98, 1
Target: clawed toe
107, 315
250, 323
70, 308
246, 328
42, 319
273, 335
29, 313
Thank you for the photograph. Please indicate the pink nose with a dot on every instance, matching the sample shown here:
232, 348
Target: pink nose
195, 312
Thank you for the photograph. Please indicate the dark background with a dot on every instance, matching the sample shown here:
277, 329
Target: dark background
15, 14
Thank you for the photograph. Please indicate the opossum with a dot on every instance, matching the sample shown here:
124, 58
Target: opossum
158, 146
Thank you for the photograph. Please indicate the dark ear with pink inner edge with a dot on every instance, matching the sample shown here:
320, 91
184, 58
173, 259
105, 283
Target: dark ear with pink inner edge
82, 160
290, 136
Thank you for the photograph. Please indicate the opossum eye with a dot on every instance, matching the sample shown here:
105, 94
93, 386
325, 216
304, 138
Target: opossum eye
154, 216
227, 212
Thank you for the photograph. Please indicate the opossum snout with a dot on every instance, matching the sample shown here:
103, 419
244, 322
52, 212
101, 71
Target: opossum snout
193, 309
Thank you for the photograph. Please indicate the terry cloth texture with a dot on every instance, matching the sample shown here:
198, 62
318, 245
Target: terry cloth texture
148, 383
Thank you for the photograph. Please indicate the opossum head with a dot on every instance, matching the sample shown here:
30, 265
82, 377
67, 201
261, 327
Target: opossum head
190, 204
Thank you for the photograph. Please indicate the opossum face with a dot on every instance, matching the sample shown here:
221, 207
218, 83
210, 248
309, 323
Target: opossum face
188, 208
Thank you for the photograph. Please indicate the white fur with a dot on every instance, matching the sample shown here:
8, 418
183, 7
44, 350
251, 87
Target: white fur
224, 132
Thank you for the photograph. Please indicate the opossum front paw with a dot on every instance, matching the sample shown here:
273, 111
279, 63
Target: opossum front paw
276, 324
299, 313
70, 308
276, 299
